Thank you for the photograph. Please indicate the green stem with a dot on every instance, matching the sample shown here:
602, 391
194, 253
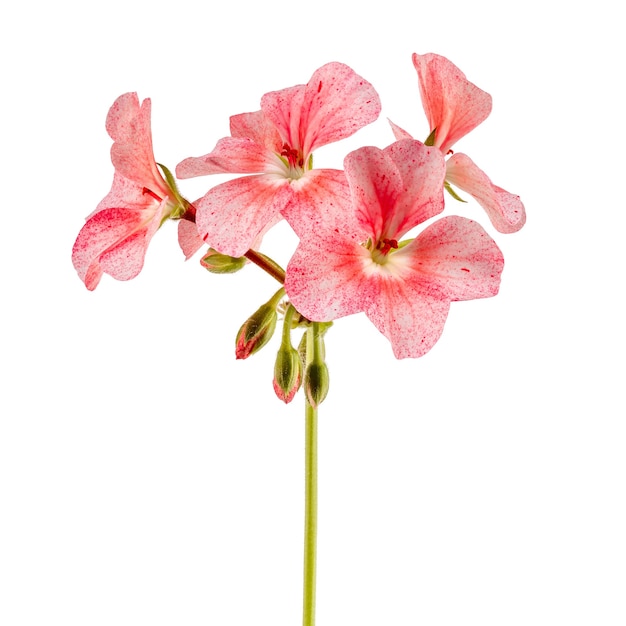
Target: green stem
310, 505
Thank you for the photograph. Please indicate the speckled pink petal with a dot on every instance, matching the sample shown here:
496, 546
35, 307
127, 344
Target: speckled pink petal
407, 314
454, 259
232, 215
107, 231
399, 133
334, 104
231, 156
188, 238
453, 105
505, 210
258, 128
128, 124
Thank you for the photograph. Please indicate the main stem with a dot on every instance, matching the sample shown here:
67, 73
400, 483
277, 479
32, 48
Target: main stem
310, 504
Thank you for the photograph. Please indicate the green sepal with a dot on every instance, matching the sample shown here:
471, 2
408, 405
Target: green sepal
453, 193
430, 140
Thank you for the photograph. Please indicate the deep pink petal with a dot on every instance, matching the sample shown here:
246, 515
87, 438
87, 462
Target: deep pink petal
395, 189
334, 104
128, 124
113, 240
452, 104
232, 215
505, 210
455, 259
422, 169
188, 238
407, 314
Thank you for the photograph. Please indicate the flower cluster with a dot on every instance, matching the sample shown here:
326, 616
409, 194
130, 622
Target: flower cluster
351, 255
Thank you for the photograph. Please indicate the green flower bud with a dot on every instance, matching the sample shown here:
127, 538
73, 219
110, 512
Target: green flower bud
256, 331
287, 373
316, 383
218, 263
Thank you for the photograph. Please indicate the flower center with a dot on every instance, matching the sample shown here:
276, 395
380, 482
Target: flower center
380, 252
294, 160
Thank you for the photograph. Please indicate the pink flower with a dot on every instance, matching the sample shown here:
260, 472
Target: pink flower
116, 235
276, 143
350, 257
454, 107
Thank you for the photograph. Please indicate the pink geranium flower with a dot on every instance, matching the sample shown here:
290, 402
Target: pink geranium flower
276, 143
350, 257
454, 107
116, 235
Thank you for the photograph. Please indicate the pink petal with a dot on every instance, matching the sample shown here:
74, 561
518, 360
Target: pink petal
113, 240
232, 156
188, 238
452, 104
256, 127
407, 314
334, 104
128, 124
399, 133
453, 259
395, 189
325, 279
232, 215
505, 210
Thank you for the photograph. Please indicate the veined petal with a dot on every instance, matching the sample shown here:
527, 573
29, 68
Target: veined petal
256, 127
505, 210
453, 105
132, 155
232, 215
454, 259
410, 316
334, 104
422, 169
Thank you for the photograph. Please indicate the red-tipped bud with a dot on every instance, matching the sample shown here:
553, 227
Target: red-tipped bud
256, 331
287, 373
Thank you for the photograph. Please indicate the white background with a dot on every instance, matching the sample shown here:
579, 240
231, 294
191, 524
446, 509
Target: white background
148, 478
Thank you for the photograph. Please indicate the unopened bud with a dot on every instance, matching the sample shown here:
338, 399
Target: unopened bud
218, 263
256, 331
287, 373
316, 383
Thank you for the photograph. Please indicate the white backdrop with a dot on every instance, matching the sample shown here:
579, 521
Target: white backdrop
148, 478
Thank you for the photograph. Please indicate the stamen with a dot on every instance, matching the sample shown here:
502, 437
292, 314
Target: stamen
151, 193
386, 245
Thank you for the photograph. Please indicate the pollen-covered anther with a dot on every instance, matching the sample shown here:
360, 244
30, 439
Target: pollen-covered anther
385, 245
294, 158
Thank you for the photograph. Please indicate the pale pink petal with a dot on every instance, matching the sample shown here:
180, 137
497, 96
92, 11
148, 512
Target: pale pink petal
128, 124
452, 104
188, 238
231, 156
399, 133
321, 202
126, 194
232, 215
454, 259
257, 127
407, 314
505, 210
113, 240
325, 280
422, 169
334, 104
